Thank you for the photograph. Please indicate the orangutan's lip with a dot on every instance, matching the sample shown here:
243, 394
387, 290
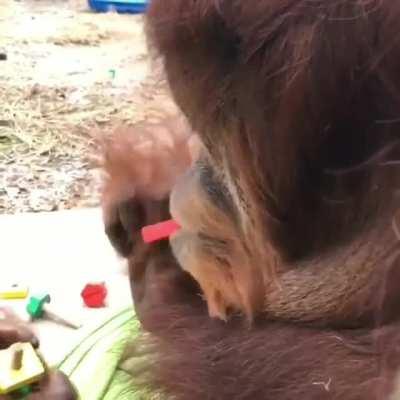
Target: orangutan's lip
175, 205
160, 231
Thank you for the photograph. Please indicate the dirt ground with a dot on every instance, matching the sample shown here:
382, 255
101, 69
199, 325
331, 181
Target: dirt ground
69, 74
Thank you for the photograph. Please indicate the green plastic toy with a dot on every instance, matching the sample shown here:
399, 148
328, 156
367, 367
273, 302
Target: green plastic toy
37, 309
36, 305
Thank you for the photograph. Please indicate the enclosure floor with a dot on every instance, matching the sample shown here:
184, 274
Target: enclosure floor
70, 75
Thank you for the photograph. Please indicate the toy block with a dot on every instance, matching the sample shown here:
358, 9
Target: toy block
20, 366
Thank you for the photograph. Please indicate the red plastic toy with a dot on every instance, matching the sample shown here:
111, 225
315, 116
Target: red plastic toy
160, 231
94, 295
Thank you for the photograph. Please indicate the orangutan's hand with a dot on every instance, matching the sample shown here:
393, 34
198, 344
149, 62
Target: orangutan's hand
142, 163
55, 385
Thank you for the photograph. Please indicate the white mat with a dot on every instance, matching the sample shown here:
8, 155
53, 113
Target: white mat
59, 253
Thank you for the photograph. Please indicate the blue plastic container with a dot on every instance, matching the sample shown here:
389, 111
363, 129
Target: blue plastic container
119, 6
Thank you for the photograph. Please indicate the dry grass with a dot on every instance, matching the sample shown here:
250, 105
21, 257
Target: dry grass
69, 73
48, 120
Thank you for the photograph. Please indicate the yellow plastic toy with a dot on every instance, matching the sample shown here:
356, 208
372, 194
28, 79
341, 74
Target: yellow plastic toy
20, 366
14, 292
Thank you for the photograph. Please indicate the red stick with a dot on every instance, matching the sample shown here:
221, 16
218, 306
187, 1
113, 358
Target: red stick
160, 231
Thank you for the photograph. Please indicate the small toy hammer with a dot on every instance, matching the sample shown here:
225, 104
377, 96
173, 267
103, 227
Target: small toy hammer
37, 308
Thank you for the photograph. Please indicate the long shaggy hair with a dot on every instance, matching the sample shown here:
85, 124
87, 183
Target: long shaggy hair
296, 104
288, 211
